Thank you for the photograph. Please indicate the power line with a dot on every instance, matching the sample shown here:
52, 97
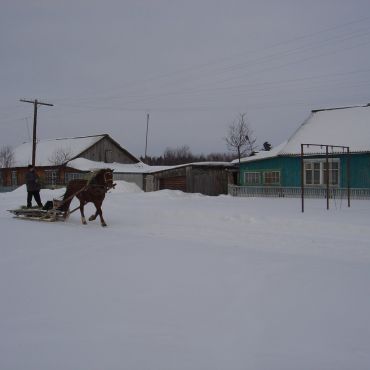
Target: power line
201, 66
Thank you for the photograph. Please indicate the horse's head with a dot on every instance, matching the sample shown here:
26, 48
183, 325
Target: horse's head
108, 178
103, 178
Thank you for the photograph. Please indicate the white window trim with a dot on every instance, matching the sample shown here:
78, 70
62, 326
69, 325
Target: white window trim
322, 161
254, 172
271, 183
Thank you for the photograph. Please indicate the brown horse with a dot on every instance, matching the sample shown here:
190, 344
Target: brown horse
87, 191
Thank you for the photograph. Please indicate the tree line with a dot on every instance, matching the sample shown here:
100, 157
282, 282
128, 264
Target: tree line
183, 154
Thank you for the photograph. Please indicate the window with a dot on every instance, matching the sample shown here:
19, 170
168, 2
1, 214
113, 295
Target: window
73, 175
51, 177
14, 178
333, 173
315, 172
252, 178
271, 178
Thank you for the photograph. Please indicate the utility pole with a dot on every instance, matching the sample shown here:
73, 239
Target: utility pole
35, 104
146, 138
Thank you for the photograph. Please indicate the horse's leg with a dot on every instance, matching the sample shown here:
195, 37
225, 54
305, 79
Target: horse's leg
100, 213
94, 216
83, 219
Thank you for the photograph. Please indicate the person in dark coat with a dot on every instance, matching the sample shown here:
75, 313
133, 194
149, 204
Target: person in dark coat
33, 187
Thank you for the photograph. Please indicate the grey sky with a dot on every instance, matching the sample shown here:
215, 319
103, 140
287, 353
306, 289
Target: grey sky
193, 65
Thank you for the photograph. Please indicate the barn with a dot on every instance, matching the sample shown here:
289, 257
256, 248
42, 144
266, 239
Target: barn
280, 172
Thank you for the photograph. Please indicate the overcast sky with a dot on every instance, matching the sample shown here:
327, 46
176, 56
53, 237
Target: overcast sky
192, 65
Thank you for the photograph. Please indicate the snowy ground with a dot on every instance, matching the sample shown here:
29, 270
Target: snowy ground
186, 282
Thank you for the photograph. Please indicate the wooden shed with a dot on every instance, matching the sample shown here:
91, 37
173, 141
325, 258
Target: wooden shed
209, 178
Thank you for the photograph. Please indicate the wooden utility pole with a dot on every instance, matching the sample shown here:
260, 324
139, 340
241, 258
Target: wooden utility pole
34, 138
146, 137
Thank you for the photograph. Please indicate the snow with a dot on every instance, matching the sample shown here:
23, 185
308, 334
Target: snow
185, 281
345, 127
84, 164
46, 149
262, 155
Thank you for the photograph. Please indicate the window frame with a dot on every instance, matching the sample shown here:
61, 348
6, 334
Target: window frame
68, 176
254, 173
265, 173
14, 178
51, 177
322, 175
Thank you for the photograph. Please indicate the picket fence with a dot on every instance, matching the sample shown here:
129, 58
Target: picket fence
295, 192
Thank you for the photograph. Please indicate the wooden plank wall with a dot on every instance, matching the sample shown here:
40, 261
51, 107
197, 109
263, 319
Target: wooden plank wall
99, 153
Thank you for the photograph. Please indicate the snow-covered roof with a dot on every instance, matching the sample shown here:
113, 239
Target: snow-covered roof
46, 150
263, 154
195, 164
349, 126
84, 164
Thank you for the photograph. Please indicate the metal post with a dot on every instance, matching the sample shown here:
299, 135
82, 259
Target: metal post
327, 177
302, 178
348, 178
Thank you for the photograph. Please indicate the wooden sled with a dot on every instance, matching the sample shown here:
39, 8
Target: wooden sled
39, 214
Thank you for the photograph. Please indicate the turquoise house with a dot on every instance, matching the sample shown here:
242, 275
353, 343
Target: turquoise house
279, 171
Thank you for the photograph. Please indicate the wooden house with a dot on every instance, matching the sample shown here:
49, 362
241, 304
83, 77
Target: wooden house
280, 172
53, 158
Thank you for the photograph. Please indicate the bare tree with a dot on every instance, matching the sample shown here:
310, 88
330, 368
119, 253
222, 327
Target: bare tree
60, 156
6, 157
240, 139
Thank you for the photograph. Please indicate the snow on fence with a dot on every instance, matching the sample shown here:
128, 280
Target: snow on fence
295, 192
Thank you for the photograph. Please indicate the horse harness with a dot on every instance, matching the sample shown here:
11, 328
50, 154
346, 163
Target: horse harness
108, 179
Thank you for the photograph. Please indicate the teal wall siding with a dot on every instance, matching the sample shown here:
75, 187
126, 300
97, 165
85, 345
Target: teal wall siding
359, 170
290, 170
